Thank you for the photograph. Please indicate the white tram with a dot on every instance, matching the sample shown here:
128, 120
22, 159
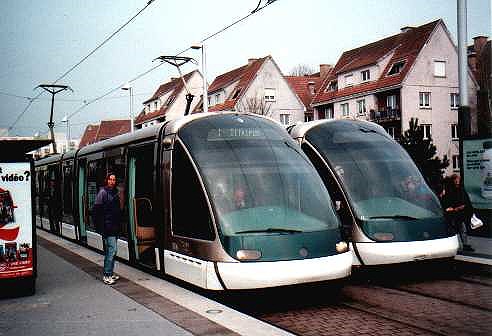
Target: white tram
222, 201
389, 213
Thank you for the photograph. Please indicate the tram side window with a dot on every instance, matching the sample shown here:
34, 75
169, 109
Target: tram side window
68, 193
96, 172
190, 213
117, 165
37, 206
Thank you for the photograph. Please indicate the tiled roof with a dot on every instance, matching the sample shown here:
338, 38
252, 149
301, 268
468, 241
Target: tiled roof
89, 136
300, 84
405, 46
244, 75
175, 85
111, 128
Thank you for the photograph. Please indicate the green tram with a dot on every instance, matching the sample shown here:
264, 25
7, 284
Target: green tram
220, 200
388, 212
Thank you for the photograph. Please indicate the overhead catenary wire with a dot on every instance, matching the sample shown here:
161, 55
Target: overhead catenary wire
256, 10
82, 60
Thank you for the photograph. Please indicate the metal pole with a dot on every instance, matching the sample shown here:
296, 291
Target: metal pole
204, 74
131, 111
51, 124
463, 110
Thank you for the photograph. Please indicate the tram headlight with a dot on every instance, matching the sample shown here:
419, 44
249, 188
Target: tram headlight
248, 254
341, 247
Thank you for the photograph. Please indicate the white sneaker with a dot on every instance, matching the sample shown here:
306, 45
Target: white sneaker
108, 280
114, 277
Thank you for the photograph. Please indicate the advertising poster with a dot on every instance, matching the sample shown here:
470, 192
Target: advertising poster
477, 164
15, 220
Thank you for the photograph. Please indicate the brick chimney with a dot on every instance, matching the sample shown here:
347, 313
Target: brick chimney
324, 69
406, 29
478, 43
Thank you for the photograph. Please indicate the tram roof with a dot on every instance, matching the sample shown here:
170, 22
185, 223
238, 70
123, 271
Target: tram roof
123, 139
49, 159
300, 130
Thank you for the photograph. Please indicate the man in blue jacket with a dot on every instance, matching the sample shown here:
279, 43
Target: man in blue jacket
107, 217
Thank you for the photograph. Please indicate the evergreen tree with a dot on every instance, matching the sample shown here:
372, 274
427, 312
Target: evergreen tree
423, 153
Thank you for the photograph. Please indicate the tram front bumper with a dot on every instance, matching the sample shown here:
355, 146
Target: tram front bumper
249, 275
399, 252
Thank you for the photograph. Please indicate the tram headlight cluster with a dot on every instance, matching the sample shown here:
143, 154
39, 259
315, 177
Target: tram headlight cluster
248, 254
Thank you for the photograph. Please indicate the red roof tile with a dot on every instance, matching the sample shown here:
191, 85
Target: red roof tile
244, 75
111, 128
89, 136
175, 85
300, 84
406, 46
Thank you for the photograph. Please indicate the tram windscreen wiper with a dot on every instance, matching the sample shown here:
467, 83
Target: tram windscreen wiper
271, 230
393, 217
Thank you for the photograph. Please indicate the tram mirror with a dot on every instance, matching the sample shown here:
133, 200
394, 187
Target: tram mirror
168, 141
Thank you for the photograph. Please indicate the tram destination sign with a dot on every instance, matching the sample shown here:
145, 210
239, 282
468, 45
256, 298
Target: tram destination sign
15, 220
235, 133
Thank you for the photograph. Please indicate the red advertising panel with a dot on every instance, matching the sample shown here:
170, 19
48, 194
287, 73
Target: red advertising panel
16, 254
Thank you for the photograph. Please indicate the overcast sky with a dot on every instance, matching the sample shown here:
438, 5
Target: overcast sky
41, 40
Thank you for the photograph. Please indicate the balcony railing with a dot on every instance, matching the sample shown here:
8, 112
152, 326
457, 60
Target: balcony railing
385, 114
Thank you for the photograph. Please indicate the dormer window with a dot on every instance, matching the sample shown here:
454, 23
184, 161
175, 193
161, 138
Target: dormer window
366, 75
396, 68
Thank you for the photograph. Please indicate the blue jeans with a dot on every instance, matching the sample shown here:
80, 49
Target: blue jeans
110, 249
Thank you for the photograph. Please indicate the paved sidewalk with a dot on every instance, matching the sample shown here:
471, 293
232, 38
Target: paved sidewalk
482, 253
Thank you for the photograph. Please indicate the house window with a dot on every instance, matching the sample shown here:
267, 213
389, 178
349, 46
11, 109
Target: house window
349, 80
155, 105
170, 100
454, 132
285, 119
332, 86
148, 107
269, 95
345, 109
391, 101
217, 98
236, 93
439, 68
456, 162
329, 113
396, 68
427, 128
424, 99
308, 117
366, 75
391, 131
455, 100
361, 107
209, 101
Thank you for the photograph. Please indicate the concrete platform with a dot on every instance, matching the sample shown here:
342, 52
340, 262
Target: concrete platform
71, 293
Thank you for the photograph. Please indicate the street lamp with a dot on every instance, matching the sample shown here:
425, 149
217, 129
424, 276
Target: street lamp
204, 74
128, 87
66, 120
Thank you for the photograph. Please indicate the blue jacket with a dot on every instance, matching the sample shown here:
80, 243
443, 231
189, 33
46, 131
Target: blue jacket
107, 213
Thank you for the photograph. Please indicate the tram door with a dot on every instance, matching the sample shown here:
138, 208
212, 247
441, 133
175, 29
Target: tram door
141, 185
82, 203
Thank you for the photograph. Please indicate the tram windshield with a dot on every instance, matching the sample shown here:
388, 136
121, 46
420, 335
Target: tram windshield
258, 180
380, 178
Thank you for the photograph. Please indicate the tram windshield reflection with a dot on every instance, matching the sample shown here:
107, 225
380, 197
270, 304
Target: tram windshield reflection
257, 178
380, 178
